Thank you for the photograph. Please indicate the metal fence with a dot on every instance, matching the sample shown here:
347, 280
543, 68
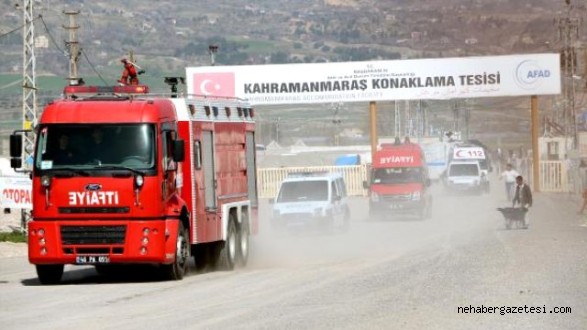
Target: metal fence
554, 177
269, 179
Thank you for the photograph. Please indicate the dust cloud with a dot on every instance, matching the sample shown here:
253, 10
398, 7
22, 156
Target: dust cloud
456, 219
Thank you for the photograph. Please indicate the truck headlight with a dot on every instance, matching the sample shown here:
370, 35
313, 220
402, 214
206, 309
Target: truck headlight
374, 197
46, 181
139, 181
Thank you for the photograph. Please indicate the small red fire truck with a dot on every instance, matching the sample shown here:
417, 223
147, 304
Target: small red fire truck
124, 177
399, 182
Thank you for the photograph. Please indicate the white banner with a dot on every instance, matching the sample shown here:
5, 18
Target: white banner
446, 78
16, 193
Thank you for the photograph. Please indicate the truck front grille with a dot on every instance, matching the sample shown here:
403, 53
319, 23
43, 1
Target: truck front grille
400, 197
92, 235
101, 210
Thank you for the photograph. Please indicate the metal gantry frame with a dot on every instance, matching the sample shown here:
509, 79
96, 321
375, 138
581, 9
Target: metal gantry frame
29, 84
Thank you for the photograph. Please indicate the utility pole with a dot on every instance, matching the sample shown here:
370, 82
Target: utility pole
456, 116
277, 130
336, 107
408, 119
212, 50
29, 82
568, 28
424, 119
397, 123
72, 46
467, 120
29, 95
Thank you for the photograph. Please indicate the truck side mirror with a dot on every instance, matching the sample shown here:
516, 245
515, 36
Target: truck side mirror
365, 185
178, 151
15, 151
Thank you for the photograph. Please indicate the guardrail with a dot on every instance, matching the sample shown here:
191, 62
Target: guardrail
269, 179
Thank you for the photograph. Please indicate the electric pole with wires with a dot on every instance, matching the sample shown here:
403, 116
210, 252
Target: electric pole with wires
568, 31
29, 84
72, 46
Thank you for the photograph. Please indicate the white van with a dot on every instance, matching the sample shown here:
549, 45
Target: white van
316, 200
472, 153
465, 176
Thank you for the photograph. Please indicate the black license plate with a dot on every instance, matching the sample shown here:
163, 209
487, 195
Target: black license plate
82, 260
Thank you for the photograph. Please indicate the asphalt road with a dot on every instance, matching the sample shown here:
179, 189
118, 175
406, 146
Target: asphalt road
402, 273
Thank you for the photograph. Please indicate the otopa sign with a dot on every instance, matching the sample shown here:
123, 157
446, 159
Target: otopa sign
16, 193
445, 78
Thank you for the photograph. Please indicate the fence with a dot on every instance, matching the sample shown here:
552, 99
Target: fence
269, 179
554, 177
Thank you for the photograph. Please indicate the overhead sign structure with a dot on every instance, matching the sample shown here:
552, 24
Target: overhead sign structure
446, 78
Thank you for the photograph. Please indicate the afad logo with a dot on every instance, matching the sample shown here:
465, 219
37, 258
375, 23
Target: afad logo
529, 74
214, 84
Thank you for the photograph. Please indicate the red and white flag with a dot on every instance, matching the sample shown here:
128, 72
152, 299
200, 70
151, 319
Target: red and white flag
214, 84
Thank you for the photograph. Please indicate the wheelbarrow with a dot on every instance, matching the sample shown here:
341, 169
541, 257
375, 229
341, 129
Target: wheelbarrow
514, 216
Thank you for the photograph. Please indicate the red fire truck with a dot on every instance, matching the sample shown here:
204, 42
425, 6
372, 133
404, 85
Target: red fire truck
123, 177
399, 182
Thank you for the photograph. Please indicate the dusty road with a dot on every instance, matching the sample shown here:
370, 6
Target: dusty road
405, 274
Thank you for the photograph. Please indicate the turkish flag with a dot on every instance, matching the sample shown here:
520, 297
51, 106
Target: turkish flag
214, 84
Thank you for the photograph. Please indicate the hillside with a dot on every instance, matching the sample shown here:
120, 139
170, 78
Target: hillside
166, 36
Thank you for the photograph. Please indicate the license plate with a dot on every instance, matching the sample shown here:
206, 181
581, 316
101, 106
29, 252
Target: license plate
92, 260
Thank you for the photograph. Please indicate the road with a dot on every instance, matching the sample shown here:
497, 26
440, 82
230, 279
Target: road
403, 273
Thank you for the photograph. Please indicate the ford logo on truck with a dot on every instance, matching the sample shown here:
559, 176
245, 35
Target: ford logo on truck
93, 187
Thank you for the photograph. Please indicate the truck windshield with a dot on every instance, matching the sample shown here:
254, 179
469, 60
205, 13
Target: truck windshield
464, 170
90, 146
303, 191
397, 175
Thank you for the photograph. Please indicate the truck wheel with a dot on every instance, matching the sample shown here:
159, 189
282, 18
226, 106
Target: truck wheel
49, 274
179, 267
225, 252
243, 242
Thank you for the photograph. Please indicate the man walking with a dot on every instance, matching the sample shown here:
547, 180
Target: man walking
509, 175
523, 197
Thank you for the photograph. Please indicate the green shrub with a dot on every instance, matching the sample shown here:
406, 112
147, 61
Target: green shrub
15, 237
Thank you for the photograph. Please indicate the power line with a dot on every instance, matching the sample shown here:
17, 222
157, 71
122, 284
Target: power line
51, 36
11, 31
81, 50
16, 29
93, 67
